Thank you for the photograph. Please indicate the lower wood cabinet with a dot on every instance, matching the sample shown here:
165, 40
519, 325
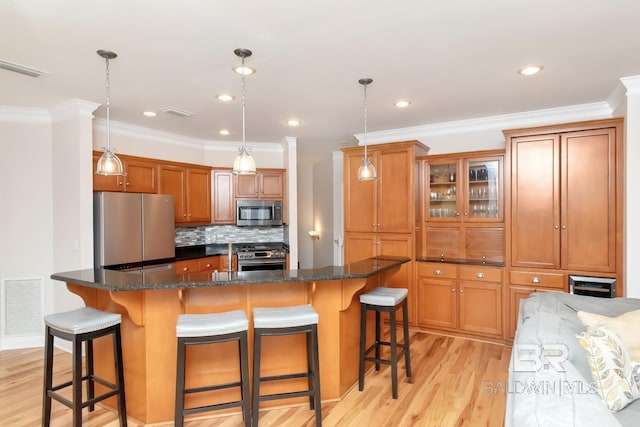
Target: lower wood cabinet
464, 298
210, 264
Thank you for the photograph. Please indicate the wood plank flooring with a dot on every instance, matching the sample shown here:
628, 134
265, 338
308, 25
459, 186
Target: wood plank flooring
452, 379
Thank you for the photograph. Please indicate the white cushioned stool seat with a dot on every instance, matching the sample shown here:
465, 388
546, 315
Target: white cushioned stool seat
203, 325
284, 317
82, 320
387, 297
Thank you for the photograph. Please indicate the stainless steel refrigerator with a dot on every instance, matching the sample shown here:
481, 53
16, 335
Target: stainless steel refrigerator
132, 230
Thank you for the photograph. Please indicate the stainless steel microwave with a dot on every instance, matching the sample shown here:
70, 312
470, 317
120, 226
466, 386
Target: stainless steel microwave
258, 213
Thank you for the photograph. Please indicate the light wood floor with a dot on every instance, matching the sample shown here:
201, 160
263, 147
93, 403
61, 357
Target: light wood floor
452, 386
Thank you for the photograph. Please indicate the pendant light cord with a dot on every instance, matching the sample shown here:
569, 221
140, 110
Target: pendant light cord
243, 106
365, 122
108, 108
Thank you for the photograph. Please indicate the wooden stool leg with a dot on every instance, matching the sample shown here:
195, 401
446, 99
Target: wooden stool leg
48, 378
257, 343
377, 339
394, 354
244, 379
363, 333
316, 376
77, 382
407, 353
119, 366
89, 362
179, 415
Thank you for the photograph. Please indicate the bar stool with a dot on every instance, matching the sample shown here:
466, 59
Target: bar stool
385, 300
78, 326
198, 329
301, 319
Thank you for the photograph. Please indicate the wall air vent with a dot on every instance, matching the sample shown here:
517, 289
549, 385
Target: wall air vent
176, 111
22, 69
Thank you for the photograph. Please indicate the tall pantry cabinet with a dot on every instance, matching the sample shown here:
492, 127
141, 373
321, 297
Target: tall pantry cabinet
380, 215
565, 211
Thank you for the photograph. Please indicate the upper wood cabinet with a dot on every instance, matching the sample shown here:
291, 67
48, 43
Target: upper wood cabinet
265, 184
191, 189
465, 187
141, 176
565, 197
224, 211
385, 204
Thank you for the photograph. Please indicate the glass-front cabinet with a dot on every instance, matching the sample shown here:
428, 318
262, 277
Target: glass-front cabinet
465, 189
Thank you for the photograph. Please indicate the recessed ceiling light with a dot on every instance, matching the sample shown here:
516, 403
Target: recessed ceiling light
530, 70
402, 104
244, 70
293, 122
225, 98
224, 132
150, 113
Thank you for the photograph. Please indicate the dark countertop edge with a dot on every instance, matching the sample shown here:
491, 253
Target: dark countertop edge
463, 261
188, 252
250, 278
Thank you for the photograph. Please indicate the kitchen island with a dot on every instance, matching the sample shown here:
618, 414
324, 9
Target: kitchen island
150, 302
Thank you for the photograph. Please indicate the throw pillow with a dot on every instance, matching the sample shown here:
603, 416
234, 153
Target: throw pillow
615, 377
625, 326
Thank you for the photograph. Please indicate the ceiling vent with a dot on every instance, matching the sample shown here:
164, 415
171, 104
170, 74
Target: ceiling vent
176, 111
22, 69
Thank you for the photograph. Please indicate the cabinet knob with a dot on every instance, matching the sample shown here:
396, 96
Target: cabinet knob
535, 280
461, 291
480, 275
466, 214
208, 265
185, 268
128, 183
564, 227
184, 214
120, 183
457, 213
437, 272
378, 225
453, 289
556, 227
189, 214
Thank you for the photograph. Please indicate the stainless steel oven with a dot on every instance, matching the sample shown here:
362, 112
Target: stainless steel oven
261, 257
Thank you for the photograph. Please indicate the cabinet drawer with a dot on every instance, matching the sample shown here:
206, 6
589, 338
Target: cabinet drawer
187, 266
209, 263
528, 278
480, 273
437, 270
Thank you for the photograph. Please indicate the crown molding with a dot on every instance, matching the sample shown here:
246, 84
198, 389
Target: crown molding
632, 84
125, 129
617, 97
11, 114
505, 121
72, 109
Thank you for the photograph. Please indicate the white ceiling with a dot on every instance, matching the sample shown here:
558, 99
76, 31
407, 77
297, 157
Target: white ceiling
453, 59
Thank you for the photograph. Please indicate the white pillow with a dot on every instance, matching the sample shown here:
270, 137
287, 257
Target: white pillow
615, 377
626, 326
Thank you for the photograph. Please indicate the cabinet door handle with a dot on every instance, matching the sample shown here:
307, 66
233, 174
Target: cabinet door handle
185, 268
128, 183
466, 214
461, 291
437, 272
453, 289
564, 227
556, 227
208, 265
457, 213
535, 280
480, 275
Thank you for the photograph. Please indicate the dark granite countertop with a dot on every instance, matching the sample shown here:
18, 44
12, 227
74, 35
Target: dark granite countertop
113, 280
462, 261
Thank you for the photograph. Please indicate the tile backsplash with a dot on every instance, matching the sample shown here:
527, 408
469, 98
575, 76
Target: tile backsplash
189, 236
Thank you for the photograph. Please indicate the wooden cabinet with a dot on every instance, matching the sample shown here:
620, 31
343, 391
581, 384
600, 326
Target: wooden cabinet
210, 264
566, 199
386, 204
380, 215
224, 209
191, 189
224, 263
463, 206
265, 184
461, 298
141, 176
187, 266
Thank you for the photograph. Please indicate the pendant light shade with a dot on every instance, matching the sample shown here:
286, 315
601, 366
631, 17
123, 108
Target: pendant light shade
366, 171
109, 163
244, 163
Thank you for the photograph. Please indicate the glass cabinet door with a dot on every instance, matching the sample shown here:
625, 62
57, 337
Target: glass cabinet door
483, 190
443, 191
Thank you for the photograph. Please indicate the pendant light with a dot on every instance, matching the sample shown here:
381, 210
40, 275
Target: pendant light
244, 163
109, 163
366, 172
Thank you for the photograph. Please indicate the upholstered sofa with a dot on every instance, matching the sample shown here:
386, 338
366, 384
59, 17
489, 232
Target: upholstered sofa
559, 390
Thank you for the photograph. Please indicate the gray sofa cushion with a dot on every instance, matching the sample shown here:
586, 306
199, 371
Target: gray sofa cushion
544, 395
